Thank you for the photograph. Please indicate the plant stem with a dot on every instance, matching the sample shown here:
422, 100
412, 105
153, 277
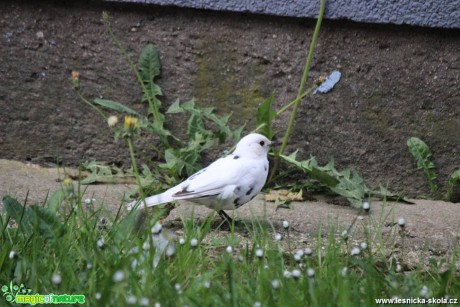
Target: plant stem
134, 69
136, 172
90, 104
301, 89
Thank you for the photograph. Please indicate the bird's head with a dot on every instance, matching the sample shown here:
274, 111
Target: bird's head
253, 145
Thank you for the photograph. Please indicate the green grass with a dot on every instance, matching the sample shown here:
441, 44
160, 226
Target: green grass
121, 271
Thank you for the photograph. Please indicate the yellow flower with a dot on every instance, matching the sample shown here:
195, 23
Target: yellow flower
67, 181
112, 120
131, 122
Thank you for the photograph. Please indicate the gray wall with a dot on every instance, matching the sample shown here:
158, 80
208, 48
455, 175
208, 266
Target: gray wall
427, 13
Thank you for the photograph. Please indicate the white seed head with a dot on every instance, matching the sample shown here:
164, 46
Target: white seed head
144, 301
13, 255
345, 235
366, 206
257, 304
363, 245
275, 283
424, 291
56, 279
194, 242
297, 257
259, 253
146, 245
181, 241
398, 268
131, 300
207, 284
278, 237
355, 251
310, 272
287, 274
112, 120
118, 276
229, 249
401, 222
170, 250
97, 296
157, 305
296, 273
100, 243
344, 271
308, 251
285, 224
89, 266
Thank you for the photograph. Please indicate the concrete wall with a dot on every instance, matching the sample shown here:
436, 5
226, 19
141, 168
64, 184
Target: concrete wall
427, 13
397, 82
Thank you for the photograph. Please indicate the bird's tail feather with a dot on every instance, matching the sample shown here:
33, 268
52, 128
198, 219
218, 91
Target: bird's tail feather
151, 201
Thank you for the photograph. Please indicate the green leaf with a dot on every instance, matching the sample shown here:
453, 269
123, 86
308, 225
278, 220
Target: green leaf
421, 152
454, 177
115, 106
47, 222
149, 63
265, 116
19, 213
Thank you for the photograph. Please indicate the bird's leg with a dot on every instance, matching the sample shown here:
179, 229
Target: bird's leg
225, 217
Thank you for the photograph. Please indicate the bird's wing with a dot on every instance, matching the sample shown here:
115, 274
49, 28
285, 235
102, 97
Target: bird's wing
212, 180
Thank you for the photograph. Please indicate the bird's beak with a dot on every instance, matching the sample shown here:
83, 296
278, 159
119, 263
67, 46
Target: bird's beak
274, 143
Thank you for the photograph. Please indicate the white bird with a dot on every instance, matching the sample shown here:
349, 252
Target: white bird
227, 183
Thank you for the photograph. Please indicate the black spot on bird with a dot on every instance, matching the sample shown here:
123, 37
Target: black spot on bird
249, 191
252, 197
236, 157
235, 202
265, 168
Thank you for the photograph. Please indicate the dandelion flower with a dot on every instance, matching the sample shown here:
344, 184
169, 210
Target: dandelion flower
363, 245
275, 283
259, 253
194, 242
257, 304
100, 243
287, 274
366, 206
310, 272
157, 305
13, 255
401, 222
112, 120
170, 250
118, 276
229, 249
131, 122
308, 251
285, 224
98, 295
56, 279
67, 181
345, 235
207, 284
178, 288
344, 271
181, 241
296, 273
398, 268
424, 291
278, 237
144, 301
131, 300
355, 251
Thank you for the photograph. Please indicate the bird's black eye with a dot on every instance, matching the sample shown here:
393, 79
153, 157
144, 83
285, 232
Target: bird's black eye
262, 143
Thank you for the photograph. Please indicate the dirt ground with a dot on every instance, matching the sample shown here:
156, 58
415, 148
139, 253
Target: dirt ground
432, 227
